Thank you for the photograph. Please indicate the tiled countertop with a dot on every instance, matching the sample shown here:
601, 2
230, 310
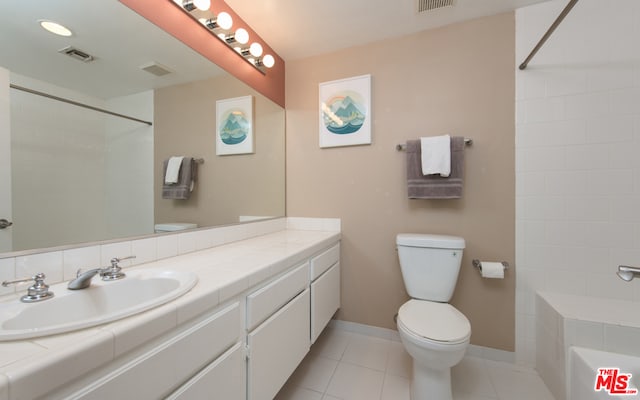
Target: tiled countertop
31, 368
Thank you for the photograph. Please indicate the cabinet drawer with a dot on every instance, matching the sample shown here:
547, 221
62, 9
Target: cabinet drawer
267, 300
324, 261
223, 379
157, 372
325, 300
277, 347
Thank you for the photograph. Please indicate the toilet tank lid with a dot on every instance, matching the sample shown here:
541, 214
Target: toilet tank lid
430, 241
175, 226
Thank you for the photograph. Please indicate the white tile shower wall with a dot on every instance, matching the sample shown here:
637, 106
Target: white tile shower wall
37, 124
550, 360
577, 170
130, 214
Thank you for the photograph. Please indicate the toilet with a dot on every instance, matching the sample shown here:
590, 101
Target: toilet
173, 227
433, 332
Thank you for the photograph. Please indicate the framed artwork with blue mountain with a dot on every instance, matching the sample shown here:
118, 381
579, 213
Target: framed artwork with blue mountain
345, 112
234, 126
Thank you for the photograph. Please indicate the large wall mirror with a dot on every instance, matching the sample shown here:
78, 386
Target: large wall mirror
71, 175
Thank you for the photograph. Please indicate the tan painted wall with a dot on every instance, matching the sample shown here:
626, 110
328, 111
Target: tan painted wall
228, 186
459, 80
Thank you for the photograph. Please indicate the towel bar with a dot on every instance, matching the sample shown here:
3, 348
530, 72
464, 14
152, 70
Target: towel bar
199, 160
402, 147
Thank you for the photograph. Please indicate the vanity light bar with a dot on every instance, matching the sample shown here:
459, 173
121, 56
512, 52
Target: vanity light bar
221, 27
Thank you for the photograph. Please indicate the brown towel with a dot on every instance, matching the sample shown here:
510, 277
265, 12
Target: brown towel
434, 186
186, 178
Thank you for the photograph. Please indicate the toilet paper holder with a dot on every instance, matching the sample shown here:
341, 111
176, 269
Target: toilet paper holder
477, 264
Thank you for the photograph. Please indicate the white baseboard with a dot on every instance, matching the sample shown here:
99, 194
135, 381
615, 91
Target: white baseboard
473, 350
367, 330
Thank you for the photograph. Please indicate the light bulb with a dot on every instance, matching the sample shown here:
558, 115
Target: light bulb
55, 27
268, 61
203, 5
224, 20
255, 49
242, 36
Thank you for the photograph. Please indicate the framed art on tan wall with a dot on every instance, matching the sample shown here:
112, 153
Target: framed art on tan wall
345, 112
234, 126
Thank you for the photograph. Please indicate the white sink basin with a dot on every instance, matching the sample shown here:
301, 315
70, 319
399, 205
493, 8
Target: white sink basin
102, 302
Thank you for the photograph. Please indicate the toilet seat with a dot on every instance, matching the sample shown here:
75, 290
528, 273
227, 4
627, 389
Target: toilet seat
439, 322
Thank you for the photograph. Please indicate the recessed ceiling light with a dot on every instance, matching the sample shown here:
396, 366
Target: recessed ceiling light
55, 27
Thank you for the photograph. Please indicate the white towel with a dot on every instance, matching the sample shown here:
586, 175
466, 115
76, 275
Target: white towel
173, 170
436, 155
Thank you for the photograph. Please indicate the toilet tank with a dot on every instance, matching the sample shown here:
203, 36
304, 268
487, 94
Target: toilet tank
430, 264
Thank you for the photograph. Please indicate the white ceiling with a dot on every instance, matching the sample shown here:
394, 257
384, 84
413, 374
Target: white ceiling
302, 28
122, 41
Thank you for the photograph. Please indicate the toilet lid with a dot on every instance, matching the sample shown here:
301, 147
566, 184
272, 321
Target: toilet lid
435, 321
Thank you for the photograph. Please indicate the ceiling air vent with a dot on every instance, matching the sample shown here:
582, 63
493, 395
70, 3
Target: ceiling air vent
77, 54
156, 69
428, 5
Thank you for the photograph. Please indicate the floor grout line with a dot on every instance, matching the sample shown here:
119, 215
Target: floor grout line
337, 341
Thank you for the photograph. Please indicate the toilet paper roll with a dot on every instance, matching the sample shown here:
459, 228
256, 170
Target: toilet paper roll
490, 269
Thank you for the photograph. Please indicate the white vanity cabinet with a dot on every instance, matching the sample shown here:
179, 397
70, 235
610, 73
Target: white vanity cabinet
277, 346
243, 346
154, 372
325, 289
285, 316
223, 379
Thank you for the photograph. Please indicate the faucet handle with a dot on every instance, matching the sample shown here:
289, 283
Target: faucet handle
114, 273
22, 280
116, 260
37, 292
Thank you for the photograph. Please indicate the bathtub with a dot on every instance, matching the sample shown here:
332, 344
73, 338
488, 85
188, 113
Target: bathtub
583, 370
606, 326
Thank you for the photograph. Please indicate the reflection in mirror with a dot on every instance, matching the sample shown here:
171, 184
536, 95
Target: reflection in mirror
78, 175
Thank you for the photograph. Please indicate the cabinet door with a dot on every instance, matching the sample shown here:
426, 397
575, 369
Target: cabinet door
325, 300
160, 370
223, 379
276, 348
324, 261
265, 301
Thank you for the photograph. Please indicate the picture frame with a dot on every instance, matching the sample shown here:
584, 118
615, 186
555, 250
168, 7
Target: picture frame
234, 126
344, 107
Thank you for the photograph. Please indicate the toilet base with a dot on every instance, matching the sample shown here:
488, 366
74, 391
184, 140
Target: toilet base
430, 384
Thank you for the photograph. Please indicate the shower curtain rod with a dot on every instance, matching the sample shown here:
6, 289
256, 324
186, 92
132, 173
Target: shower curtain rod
548, 33
75, 103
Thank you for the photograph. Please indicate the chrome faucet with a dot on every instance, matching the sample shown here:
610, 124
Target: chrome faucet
627, 273
111, 273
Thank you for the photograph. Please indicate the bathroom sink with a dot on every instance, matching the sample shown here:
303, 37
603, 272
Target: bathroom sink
102, 302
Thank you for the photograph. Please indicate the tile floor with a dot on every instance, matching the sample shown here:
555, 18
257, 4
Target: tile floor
345, 365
